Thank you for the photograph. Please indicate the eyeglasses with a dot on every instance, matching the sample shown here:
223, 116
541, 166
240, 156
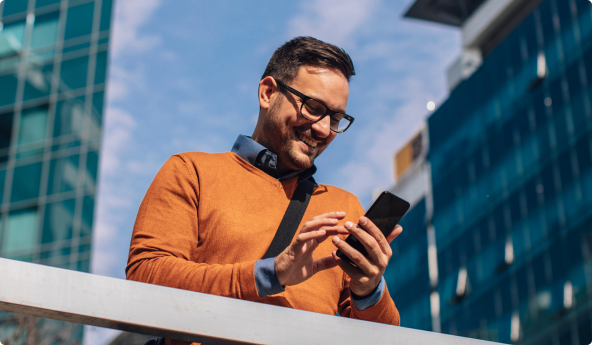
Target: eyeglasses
314, 110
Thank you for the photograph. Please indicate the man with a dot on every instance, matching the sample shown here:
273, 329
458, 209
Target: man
208, 219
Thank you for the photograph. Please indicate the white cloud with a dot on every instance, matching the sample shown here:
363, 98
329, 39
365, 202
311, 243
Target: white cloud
130, 16
333, 21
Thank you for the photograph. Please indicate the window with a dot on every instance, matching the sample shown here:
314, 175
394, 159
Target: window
21, 230
68, 117
25, 184
63, 175
79, 22
73, 73
45, 30
59, 221
11, 37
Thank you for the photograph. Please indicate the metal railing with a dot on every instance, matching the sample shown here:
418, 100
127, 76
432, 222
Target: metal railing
89, 299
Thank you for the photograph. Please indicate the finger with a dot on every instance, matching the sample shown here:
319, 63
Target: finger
376, 233
335, 230
394, 234
323, 264
317, 224
375, 252
336, 214
311, 235
353, 272
358, 259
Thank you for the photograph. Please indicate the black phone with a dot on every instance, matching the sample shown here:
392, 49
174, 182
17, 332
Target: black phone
385, 213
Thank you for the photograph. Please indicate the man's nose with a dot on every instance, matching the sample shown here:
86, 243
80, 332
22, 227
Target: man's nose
323, 127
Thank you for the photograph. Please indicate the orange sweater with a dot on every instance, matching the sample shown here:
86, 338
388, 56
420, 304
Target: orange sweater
207, 218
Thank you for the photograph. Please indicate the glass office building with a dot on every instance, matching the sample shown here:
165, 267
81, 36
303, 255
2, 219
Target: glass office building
511, 177
53, 63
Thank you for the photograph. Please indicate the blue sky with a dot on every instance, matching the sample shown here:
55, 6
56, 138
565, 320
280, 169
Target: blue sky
184, 74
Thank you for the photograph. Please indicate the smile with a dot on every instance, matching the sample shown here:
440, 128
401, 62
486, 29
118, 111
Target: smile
306, 140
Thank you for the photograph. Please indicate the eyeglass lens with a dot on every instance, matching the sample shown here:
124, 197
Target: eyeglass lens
313, 110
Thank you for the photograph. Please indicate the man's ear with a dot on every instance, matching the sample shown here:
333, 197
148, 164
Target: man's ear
267, 87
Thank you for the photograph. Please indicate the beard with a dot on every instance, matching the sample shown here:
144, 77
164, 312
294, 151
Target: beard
282, 138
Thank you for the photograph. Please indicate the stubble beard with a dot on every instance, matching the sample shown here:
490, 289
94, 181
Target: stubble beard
290, 157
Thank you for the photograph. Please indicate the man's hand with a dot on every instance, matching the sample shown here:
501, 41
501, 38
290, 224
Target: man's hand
295, 264
366, 276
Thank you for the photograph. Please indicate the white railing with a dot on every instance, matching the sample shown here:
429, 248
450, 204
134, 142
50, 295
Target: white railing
150, 309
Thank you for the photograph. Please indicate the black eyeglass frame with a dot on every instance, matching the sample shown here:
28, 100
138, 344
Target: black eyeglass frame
328, 111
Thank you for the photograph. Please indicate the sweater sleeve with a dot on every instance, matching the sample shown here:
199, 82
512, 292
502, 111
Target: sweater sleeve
384, 311
165, 239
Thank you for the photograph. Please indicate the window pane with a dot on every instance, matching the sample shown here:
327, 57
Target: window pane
25, 184
7, 89
11, 38
73, 74
88, 207
33, 125
101, 68
38, 82
41, 3
14, 6
21, 230
2, 178
63, 175
96, 118
5, 130
92, 166
59, 221
79, 22
106, 6
68, 117
45, 30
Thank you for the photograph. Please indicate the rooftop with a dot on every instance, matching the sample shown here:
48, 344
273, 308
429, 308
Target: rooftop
449, 12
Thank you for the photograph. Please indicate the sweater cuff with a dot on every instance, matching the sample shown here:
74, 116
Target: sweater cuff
368, 301
265, 278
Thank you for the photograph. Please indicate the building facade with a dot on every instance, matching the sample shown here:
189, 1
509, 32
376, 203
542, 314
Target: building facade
53, 66
510, 161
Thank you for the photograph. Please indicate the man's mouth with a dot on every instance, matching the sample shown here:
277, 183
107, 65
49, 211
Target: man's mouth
306, 140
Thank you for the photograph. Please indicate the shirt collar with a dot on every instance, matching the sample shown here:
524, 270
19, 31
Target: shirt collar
259, 156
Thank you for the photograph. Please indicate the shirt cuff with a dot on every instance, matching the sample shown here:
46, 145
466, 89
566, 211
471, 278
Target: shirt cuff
365, 302
265, 278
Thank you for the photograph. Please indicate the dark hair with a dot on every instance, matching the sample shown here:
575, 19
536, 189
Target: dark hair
305, 50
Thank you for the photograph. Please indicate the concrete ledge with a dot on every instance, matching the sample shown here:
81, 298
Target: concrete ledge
149, 309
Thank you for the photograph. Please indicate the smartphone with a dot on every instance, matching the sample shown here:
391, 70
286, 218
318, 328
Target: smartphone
385, 213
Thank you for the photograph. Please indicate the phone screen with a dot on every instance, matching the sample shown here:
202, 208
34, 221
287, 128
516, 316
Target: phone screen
385, 213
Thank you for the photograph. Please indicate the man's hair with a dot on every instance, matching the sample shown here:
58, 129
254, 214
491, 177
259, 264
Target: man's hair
286, 61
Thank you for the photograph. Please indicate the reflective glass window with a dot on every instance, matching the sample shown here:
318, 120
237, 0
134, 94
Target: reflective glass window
101, 69
42, 3
21, 230
59, 221
14, 6
106, 9
73, 73
63, 175
79, 22
69, 116
88, 208
92, 166
96, 118
11, 38
5, 129
83, 266
26, 180
33, 125
7, 89
2, 178
38, 82
45, 30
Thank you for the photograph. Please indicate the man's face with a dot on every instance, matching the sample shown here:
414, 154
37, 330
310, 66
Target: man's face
296, 140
